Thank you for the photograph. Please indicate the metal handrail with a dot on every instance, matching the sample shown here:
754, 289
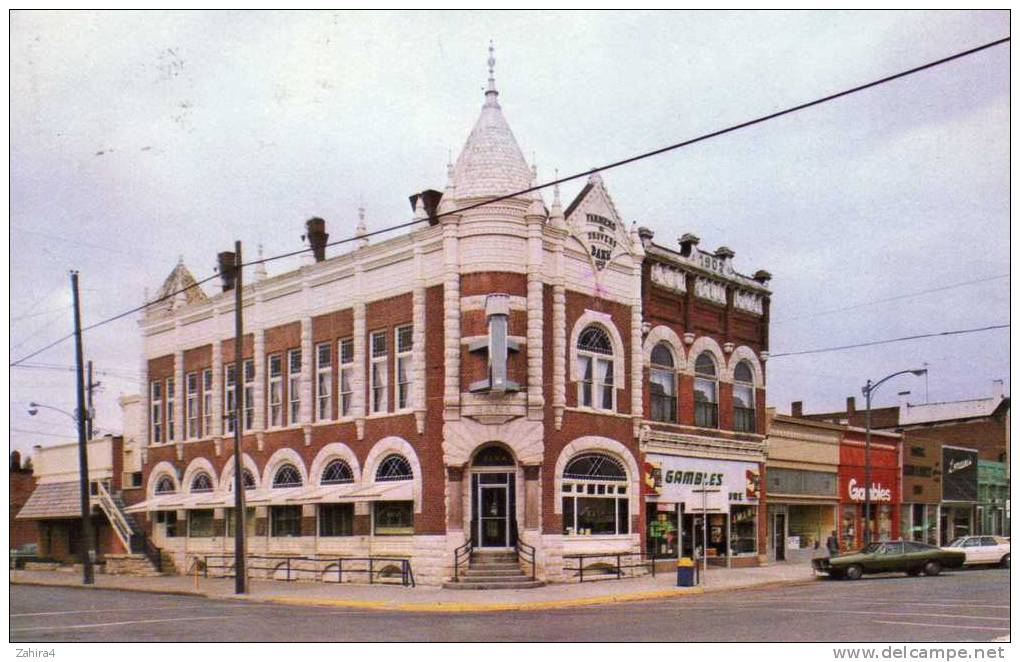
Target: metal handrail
645, 561
526, 553
290, 564
465, 551
121, 526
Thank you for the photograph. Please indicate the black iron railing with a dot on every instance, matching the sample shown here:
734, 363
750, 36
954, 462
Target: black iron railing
618, 564
526, 554
316, 568
460, 555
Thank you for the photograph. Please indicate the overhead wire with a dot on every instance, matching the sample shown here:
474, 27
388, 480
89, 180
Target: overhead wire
561, 180
889, 340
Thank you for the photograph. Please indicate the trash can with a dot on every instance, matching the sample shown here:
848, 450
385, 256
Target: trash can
685, 572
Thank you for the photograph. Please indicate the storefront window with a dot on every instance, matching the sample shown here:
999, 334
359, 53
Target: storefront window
285, 521
393, 518
336, 519
743, 530
848, 528
884, 528
809, 526
249, 520
200, 523
595, 498
663, 529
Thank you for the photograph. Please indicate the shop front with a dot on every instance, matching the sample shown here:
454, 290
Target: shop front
959, 492
801, 479
883, 520
922, 489
702, 507
993, 498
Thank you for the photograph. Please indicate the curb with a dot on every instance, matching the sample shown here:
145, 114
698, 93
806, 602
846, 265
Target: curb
441, 607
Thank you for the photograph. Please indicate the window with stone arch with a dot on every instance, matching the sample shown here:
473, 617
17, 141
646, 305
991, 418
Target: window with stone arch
394, 467
201, 483
595, 496
165, 485
743, 398
247, 477
662, 384
287, 476
706, 391
337, 472
595, 387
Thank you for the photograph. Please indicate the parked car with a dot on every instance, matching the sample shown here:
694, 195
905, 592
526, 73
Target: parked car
27, 552
983, 549
913, 558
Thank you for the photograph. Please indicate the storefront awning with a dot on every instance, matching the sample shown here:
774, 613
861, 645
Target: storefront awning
400, 491
52, 501
324, 494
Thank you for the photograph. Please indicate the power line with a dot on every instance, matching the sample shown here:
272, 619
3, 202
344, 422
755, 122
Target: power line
895, 298
610, 166
890, 340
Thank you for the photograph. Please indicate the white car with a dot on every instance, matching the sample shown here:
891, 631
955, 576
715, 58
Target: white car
983, 549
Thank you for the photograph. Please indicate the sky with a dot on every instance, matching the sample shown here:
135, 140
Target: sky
137, 138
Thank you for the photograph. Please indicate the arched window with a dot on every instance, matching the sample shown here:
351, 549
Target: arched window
165, 485
706, 392
662, 384
743, 398
201, 483
287, 476
595, 499
595, 367
336, 473
394, 467
493, 456
246, 476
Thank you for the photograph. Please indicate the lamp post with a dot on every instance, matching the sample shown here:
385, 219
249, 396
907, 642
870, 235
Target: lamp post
868, 389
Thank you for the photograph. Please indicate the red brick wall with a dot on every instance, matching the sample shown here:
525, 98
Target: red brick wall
21, 485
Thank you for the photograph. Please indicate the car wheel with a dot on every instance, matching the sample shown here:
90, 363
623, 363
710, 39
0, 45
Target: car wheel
913, 572
932, 568
1004, 563
854, 572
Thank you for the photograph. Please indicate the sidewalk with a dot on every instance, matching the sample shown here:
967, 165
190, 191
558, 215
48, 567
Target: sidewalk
435, 599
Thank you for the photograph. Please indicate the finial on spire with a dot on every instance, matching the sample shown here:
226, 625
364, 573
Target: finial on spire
260, 269
361, 230
449, 164
491, 100
180, 258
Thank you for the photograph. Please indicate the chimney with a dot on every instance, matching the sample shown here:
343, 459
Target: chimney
998, 389
226, 269
763, 277
797, 409
851, 406
430, 201
315, 232
904, 397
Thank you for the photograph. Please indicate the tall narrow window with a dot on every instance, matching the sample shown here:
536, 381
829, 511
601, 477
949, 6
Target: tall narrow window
323, 382
346, 375
706, 392
743, 398
156, 399
405, 342
379, 374
207, 395
229, 397
294, 386
191, 404
275, 370
249, 394
595, 367
170, 409
662, 384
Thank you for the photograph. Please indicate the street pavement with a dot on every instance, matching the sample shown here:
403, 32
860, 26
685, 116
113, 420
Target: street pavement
968, 605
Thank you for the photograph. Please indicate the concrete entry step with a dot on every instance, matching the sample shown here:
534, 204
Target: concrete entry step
477, 586
474, 579
493, 572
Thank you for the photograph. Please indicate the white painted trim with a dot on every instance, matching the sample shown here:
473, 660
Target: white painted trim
197, 465
330, 452
605, 320
708, 344
669, 336
227, 475
386, 446
605, 445
745, 353
281, 456
164, 468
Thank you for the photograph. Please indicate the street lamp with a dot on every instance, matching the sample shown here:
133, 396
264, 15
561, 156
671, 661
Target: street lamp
34, 407
868, 389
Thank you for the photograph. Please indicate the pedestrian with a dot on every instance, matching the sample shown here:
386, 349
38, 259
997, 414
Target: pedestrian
832, 544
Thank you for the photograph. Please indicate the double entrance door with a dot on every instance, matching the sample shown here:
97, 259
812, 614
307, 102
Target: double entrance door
493, 523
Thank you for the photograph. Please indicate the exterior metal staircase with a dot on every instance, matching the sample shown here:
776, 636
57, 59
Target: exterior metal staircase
143, 557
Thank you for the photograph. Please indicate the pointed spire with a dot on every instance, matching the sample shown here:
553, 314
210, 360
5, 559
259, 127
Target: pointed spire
260, 268
490, 92
556, 213
361, 230
449, 166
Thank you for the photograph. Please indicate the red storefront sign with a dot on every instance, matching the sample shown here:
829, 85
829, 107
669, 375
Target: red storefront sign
886, 494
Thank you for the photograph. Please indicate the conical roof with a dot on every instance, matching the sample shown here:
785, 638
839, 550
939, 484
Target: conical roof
491, 163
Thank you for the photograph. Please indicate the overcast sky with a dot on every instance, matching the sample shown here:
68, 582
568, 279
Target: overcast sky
138, 137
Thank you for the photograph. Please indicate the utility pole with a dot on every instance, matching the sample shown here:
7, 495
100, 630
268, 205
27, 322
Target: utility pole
89, 422
83, 456
240, 570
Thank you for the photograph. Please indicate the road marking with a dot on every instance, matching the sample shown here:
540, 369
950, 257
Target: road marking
877, 602
99, 611
939, 625
885, 613
104, 625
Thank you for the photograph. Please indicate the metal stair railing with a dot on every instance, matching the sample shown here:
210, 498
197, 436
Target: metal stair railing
121, 526
461, 554
526, 554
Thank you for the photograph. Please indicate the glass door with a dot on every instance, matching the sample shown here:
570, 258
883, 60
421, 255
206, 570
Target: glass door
492, 516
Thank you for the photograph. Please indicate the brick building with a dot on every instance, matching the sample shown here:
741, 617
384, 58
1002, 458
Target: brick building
503, 374
22, 482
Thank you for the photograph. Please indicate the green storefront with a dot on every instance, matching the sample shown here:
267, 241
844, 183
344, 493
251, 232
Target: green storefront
993, 498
